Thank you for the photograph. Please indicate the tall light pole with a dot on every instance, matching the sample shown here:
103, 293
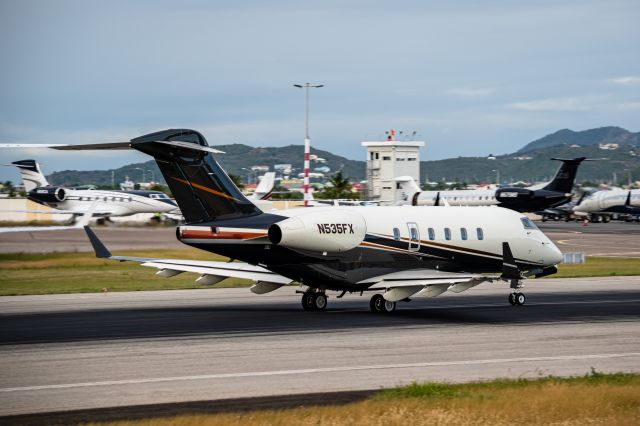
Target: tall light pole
307, 142
151, 174
497, 176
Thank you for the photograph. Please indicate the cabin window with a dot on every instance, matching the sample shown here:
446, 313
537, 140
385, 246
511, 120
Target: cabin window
414, 234
432, 234
480, 233
447, 233
396, 234
526, 222
386, 158
412, 159
463, 233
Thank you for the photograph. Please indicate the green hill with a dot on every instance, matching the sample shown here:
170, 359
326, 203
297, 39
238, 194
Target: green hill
512, 167
602, 135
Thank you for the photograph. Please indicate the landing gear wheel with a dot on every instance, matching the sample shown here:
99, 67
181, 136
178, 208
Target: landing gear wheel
308, 301
379, 304
520, 299
314, 301
512, 299
320, 302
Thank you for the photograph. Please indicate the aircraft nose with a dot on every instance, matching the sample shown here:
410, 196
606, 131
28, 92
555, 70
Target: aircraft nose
553, 255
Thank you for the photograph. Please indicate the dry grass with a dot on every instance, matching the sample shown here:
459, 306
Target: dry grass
599, 401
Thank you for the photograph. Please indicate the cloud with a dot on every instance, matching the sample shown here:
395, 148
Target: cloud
626, 106
629, 79
551, 104
468, 92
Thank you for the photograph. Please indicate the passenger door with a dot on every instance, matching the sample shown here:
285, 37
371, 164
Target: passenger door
414, 236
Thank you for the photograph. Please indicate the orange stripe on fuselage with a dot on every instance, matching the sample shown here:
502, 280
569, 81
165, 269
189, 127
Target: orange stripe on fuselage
204, 188
223, 235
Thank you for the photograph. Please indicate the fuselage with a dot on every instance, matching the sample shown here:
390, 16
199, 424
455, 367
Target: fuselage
611, 202
107, 203
448, 239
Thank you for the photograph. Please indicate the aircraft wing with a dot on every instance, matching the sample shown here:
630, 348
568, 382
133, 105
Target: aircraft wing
423, 283
210, 272
80, 212
83, 222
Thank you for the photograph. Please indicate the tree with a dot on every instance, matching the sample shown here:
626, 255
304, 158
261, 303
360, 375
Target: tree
237, 180
10, 189
338, 187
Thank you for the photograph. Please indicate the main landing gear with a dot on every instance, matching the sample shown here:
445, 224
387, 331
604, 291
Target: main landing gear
314, 301
517, 298
380, 305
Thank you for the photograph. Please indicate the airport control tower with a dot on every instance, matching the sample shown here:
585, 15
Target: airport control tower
386, 160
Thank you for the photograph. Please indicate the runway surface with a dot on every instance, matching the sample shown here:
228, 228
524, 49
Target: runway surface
64, 352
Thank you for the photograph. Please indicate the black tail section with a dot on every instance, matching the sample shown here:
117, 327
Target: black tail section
203, 190
565, 176
27, 165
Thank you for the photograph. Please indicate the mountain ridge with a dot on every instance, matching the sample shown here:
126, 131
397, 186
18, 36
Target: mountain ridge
512, 167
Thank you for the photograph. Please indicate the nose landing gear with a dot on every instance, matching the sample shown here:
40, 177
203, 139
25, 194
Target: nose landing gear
517, 299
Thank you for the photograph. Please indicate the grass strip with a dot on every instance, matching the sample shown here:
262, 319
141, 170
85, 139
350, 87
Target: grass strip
25, 274
594, 399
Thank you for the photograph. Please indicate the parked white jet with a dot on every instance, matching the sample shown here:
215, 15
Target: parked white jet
395, 252
531, 199
602, 205
72, 201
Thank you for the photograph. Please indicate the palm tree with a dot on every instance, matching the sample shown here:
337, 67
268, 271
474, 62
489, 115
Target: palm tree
338, 187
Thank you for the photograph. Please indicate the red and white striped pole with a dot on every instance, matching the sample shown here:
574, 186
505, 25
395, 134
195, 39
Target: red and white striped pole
307, 141
307, 151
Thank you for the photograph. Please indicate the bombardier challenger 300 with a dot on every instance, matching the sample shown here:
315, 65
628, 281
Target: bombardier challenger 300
397, 252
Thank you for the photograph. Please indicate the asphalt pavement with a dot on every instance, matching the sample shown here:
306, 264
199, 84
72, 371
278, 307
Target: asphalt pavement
84, 351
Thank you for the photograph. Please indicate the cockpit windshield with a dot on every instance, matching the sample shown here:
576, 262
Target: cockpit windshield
527, 223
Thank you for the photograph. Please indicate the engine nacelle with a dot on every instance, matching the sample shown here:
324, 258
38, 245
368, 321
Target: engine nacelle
335, 231
48, 194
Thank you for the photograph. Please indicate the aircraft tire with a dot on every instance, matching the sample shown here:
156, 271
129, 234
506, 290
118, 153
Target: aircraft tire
512, 299
309, 301
376, 304
388, 307
520, 299
320, 302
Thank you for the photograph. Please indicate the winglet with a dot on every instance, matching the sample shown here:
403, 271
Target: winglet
509, 268
628, 202
437, 201
101, 251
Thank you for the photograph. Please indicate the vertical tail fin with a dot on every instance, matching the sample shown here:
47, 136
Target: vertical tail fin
565, 176
265, 187
203, 191
31, 174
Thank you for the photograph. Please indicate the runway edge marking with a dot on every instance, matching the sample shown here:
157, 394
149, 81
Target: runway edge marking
318, 370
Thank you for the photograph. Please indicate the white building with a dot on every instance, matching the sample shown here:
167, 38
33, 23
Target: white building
387, 160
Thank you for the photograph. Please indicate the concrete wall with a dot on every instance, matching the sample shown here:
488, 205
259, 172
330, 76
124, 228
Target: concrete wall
14, 210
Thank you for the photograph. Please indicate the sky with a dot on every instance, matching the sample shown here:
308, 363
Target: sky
471, 78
